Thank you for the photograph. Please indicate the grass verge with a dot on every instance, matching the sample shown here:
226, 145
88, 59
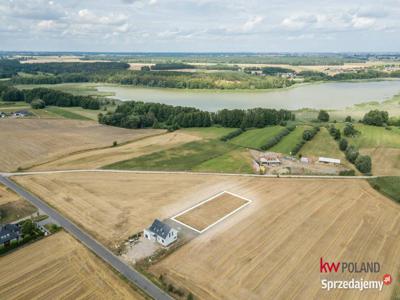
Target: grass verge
388, 186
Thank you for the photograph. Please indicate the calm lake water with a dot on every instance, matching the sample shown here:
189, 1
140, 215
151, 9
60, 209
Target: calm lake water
332, 95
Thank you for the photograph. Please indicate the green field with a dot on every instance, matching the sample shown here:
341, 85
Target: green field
389, 186
287, 144
65, 113
255, 138
235, 161
323, 144
183, 158
81, 89
373, 137
208, 132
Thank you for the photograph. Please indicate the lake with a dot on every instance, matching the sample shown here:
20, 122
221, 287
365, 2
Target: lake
331, 95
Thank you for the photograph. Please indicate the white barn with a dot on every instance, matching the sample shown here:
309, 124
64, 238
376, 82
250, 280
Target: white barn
328, 160
161, 232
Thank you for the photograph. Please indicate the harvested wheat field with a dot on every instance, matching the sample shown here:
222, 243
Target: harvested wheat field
59, 267
385, 161
13, 207
271, 249
268, 250
27, 142
101, 157
113, 206
211, 211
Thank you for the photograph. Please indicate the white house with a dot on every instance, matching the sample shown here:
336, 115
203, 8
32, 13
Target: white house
161, 232
328, 160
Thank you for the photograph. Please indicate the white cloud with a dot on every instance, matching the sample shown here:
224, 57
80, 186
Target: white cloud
252, 22
46, 25
362, 22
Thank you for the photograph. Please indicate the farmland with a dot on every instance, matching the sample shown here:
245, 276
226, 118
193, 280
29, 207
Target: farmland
34, 141
211, 211
382, 145
287, 144
59, 267
255, 138
182, 158
323, 144
12, 207
101, 157
270, 249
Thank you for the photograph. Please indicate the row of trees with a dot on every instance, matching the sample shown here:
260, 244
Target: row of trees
232, 134
362, 74
49, 97
362, 162
276, 139
308, 135
11, 67
136, 114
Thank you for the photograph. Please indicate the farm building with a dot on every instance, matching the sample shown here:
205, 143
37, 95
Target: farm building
328, 160
9, 233
270, 160
161, 232
304, 160
21, 114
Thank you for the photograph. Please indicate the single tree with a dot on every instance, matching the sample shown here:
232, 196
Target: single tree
323, 116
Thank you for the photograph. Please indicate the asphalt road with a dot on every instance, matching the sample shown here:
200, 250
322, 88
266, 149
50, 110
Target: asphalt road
135, 277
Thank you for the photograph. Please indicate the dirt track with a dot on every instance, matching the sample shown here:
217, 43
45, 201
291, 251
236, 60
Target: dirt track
26, 142
58, 267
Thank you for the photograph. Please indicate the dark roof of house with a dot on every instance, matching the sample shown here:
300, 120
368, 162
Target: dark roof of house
160, 228
8, 233
24, 112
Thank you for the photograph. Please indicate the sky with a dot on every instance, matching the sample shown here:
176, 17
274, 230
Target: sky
200, 25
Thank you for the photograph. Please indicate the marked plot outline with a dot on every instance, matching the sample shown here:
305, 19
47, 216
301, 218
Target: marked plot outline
197, 211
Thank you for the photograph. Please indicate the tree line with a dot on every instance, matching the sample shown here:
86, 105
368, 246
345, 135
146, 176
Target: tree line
10, 67
137, 114
49, 97
163, 79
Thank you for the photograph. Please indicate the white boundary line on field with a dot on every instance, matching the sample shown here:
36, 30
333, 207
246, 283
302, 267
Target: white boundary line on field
248, 201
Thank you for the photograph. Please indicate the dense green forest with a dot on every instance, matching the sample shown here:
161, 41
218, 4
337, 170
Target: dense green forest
168, 79
135, 114
49, 97
235, 58
11, 67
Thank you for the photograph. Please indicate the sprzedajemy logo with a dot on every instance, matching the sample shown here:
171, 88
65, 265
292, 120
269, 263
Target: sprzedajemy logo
352, 268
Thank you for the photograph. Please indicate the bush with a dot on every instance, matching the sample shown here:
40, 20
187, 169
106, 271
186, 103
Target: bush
349, 130
38, 104
343, 144
348, 119
376, 118
308, 134
347, 173
334, 132
276, 139
232, 134
351, 154
323, 116
363, 163
297, 148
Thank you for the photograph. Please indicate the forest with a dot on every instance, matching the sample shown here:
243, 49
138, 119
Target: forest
136, 114
49, 97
